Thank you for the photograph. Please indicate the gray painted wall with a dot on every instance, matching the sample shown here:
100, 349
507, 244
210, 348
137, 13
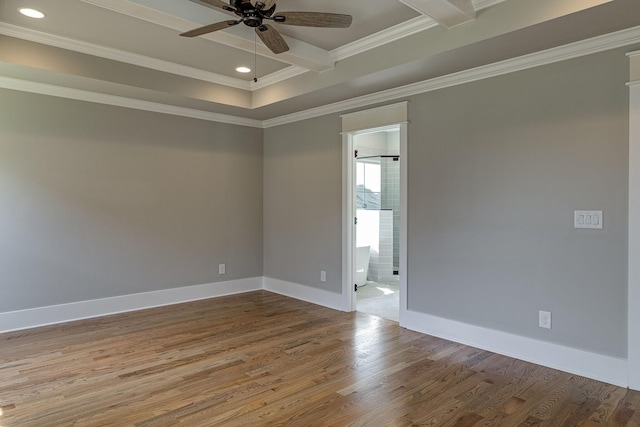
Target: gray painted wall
303, 203
495, 170
98, 201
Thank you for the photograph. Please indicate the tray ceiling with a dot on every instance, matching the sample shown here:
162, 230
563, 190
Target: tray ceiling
132, 48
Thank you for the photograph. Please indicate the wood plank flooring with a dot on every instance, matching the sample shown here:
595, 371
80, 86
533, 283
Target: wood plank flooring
261, 359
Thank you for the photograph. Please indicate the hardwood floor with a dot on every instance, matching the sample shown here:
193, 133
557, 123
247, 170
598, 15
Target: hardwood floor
261, 359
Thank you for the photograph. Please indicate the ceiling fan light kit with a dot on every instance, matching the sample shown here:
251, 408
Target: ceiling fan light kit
253, 13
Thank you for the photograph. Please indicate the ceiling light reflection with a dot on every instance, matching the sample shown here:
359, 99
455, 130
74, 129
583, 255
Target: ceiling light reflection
31, 13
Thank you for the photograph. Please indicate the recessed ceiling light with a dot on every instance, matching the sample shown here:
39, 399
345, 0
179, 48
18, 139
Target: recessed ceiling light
243, 70
31, 13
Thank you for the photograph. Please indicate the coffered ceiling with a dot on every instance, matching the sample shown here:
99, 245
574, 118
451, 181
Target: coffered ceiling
131, 49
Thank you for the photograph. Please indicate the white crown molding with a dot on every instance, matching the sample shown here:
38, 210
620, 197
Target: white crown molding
120, 55
573, 50
402, 30
389, 35
397, 32
278, 76
119, 101
483, 4
561, 53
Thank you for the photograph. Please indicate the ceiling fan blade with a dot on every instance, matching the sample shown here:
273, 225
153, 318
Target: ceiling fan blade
210, 28
220, 4
272, 38
314, 19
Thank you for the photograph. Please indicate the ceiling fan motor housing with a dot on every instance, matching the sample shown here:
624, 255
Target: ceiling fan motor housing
252, 12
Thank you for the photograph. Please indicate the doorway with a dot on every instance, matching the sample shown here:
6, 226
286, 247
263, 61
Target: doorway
377, 225
392, 117
376, 221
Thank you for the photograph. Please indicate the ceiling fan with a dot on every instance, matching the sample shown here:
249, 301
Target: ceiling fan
253, 13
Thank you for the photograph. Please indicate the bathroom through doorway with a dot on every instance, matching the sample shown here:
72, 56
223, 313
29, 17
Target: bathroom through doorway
377, 222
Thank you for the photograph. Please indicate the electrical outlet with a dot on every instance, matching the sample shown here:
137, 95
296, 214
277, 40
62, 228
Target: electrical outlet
544, 319
323, 276
222, 269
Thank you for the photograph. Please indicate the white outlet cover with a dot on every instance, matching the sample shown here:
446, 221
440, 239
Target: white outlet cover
221, 269
544, 320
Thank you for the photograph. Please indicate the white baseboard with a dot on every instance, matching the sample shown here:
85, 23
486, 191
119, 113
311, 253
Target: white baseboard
305, 293
591, 365
42, 316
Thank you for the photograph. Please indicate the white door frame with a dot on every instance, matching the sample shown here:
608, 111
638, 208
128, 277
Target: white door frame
634, 238
348, 215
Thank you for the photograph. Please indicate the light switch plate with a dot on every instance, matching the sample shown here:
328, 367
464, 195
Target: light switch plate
588, 219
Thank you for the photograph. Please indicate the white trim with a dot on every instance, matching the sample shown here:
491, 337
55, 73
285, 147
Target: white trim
278, 76
375, 119
147, 61
390, 128
404, 206
348, 228
550, 56
483, 4
121, 56
596, 366
359, 123
54, 314
119, 101
305, 293
573, 50
634, 66
402, 30
397, 32
634, 239
591, 365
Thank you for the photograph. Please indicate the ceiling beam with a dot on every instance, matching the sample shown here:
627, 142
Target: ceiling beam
446, 12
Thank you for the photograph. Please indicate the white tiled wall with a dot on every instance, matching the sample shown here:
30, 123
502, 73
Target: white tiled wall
390, 199
385, 143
